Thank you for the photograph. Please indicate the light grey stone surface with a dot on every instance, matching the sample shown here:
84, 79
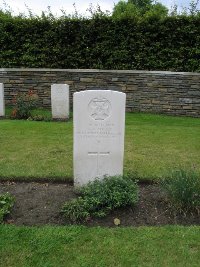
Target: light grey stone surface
60, 101
99, 122
2, 103
96, 71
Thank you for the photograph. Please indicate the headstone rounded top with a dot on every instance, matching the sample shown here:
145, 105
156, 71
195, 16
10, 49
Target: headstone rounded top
60, 101
99, 91
99, 118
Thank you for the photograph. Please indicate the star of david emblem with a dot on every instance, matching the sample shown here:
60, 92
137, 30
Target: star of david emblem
99, 108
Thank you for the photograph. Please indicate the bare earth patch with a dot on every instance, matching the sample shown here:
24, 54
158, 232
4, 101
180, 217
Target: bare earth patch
40, 204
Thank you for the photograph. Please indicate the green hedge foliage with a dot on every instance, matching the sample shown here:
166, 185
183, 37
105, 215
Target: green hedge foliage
171, 43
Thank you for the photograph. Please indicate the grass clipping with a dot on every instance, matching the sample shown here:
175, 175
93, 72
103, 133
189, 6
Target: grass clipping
99, 198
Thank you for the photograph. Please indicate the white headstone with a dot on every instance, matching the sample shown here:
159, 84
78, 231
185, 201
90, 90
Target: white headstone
99, 122
60, 101
2, 103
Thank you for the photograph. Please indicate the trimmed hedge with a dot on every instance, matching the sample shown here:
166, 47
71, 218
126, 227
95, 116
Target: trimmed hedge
172, 43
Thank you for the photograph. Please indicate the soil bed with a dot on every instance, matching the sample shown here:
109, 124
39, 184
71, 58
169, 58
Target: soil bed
40, 204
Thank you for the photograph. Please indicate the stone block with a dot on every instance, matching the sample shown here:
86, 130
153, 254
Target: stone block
60, 101
99, 122
2, 101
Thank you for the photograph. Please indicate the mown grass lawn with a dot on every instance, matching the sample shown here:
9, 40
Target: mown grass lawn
88, 247
157, 144
154, 145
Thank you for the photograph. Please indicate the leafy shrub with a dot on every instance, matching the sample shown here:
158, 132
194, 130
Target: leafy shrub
148, 43
6, 203
37, 118
23, 104
100, 197
183, 190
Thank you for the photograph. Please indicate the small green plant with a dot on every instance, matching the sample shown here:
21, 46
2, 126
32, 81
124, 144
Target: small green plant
23, 104
6, 203
100, 197
183, 190
37, 118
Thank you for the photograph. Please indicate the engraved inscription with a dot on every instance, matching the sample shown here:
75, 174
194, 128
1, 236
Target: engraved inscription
99, 108
99, 130
98, 156
98, 153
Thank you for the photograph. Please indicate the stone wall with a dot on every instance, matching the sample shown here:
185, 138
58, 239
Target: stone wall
174, 93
